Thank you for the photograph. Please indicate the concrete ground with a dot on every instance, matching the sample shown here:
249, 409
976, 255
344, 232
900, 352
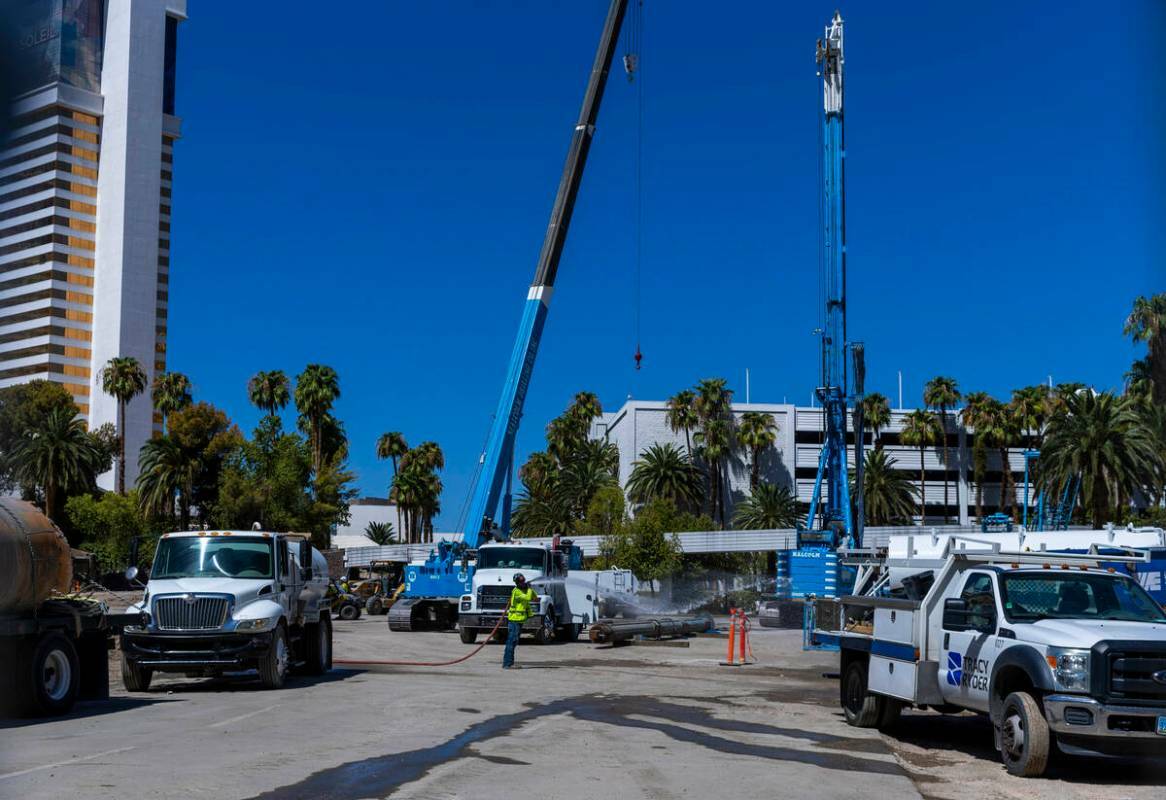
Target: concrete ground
579, 721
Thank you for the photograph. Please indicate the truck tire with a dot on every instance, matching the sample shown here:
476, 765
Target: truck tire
546, 632
349, 612
273, 666
375, 605
56, 674
468, 635
318, 646
569, 632
862, 709
1024, 736
134, 677
892, 710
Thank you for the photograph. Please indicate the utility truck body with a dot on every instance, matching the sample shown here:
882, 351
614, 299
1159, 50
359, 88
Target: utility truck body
229, 601
1058, 649
569, 596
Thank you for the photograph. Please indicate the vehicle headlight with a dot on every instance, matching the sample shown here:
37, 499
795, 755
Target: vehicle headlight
1070, 668
253, 624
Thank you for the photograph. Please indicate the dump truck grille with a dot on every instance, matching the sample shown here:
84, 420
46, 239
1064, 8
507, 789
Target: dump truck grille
493, 597
190, 613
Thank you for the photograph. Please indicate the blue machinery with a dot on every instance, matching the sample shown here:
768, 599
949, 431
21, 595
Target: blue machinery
836, 523
1058, 516
432, 588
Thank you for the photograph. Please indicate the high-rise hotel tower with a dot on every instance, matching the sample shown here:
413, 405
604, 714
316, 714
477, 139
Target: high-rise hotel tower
85, 188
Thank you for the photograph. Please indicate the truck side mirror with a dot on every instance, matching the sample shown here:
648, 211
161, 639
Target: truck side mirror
135, 544
955, 614
305, 560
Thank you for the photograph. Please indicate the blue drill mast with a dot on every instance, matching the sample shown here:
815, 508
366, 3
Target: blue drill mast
433, 588
836, 525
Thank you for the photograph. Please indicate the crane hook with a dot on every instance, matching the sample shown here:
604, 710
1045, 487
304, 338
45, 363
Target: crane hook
639, 356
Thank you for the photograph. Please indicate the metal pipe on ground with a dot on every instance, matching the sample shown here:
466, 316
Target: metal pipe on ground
609, 631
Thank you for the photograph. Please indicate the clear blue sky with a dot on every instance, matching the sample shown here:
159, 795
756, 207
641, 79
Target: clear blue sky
369, 187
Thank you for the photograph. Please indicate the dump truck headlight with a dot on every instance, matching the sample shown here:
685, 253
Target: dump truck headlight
1070, 668
254, 624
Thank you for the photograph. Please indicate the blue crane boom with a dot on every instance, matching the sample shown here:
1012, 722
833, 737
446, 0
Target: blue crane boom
497, 460
833, 394
433, 586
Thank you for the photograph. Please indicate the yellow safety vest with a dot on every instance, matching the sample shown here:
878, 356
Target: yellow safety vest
520, 604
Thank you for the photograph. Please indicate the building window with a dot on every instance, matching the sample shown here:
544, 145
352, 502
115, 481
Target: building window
169, 65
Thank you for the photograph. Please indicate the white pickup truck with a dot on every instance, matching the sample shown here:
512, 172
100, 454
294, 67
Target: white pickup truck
229, 601
569, 596
1061, 651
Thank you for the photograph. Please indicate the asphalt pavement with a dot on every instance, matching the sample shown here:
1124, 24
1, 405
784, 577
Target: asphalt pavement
578, 721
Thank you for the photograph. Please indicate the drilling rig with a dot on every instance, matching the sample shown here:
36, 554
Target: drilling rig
829, 522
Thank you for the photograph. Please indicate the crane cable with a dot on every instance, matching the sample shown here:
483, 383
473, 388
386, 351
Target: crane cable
384, 663
632, 61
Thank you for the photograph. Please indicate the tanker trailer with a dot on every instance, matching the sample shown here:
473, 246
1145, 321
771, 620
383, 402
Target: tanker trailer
53, 649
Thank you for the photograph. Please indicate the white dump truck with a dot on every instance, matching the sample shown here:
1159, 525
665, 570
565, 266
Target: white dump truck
230, 601
569, 596
1059, 650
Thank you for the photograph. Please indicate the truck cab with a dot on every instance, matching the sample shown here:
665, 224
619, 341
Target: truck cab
229, 601
1054, 648
568, 597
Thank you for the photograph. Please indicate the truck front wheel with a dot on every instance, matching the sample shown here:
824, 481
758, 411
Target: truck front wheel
135, 677
1024, 736
468, 635
273, 666
56, 674
546, 631
862, 709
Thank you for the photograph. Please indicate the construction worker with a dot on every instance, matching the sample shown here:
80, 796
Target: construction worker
522, 597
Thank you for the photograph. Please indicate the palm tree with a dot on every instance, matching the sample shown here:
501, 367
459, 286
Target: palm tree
974, 416
55, 454
380, 532
664, 471
168, 471
681, 416
1106, 443
714, 411
876, 415
714, 446
392, 445
1147, 323
586, 406
767, 507
756, 432
317, 388
170, 392
998, 427
123, 379
889, 495
1030, 408
920, 429
268, 391
941, 393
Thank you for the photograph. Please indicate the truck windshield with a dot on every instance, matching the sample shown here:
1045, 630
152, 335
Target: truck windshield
531, 558
1032, 596
204, 557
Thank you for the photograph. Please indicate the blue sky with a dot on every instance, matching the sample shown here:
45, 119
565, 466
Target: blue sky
370, 190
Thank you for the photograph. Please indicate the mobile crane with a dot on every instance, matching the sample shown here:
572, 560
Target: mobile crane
433, 586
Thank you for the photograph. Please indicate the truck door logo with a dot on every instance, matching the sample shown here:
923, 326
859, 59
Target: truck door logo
955, 668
